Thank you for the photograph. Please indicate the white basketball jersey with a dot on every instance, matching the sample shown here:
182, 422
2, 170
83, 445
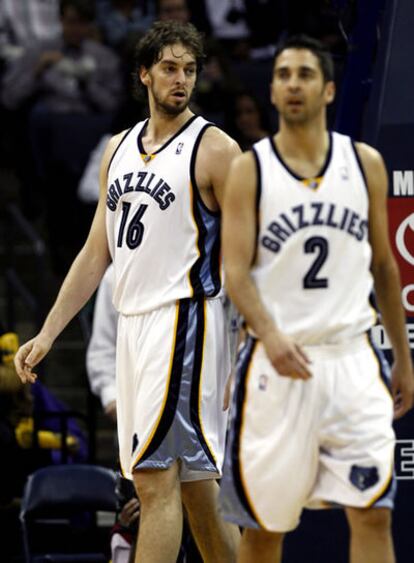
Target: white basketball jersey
312, 266
164, 242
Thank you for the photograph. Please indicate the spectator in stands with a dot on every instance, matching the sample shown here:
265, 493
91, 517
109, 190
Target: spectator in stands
228, 25
124, 532
266, 20
119, 19
247, 121
216, 86
177, 10
23, 22
23, 409
15, 404
100, 355
70, 73
72, 86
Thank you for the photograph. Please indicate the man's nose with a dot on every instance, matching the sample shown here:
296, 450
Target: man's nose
293, 83
180, 76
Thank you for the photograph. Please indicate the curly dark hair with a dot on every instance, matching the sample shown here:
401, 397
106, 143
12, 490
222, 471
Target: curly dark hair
316, 47
161, 34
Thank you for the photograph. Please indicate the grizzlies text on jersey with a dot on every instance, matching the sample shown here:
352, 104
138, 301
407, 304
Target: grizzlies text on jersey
163, 240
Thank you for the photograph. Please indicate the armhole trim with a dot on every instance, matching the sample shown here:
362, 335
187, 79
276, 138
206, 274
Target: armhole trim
193, 181
258, 199
360, 165
117, 148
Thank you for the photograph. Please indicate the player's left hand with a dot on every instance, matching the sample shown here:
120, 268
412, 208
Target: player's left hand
129, 513
402, 385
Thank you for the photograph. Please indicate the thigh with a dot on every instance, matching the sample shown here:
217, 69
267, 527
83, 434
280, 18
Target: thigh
208, 382
145, 350
357, 438
272, 454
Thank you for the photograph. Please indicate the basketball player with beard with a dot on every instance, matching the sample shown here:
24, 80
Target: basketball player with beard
158, 220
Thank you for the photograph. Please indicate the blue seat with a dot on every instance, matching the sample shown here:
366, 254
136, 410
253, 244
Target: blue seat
58, 514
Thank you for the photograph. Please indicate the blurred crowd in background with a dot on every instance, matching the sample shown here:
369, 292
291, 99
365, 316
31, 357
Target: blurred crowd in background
66, 71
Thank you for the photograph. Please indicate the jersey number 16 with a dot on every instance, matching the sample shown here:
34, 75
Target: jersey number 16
135, 229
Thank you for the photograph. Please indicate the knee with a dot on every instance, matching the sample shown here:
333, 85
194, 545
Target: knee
155, 487
146, 490
365, 519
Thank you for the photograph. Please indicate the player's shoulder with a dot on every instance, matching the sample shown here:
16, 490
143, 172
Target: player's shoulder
245, 161
112, 146
370, 156
243, 173
373, 167
216, 142
117, 139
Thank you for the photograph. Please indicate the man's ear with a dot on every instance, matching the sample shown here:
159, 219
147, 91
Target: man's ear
330, 91
144, 76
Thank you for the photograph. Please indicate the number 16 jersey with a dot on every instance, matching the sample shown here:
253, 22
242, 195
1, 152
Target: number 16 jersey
164, 242
312, 266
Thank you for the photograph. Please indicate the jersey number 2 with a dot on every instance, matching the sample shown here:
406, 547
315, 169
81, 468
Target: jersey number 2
135, 230
319, 245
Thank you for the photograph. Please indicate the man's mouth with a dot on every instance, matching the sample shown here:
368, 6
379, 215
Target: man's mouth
294, 102
180, 95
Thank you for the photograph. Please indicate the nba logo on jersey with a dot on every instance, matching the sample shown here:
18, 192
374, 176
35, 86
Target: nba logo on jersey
344, 173
263, 382
179, 148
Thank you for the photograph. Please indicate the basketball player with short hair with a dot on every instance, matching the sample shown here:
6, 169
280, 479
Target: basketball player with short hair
158, 219
305, 242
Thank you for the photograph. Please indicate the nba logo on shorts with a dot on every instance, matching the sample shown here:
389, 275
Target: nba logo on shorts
179, 148
263, 382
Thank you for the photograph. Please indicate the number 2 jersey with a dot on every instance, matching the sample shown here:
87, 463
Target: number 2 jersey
312, 266
164, 242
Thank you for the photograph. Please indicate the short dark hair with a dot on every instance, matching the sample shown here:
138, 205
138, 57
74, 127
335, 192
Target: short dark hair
161, 34
84, 8
318, 48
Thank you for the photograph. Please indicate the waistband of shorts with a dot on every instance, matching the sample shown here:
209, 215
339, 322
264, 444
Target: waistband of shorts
334, 350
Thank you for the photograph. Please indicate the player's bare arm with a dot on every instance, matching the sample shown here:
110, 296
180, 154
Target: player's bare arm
215, 155
79, 284
387, 280
239, 244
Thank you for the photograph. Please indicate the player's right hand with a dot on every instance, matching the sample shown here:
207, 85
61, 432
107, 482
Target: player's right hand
29, 355
287, 357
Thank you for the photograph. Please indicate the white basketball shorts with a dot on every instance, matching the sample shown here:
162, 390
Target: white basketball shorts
172, 367
319, 443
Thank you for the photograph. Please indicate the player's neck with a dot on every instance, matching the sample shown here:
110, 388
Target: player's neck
309, 143
162, 126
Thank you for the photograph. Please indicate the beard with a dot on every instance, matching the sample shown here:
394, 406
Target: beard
170, 109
